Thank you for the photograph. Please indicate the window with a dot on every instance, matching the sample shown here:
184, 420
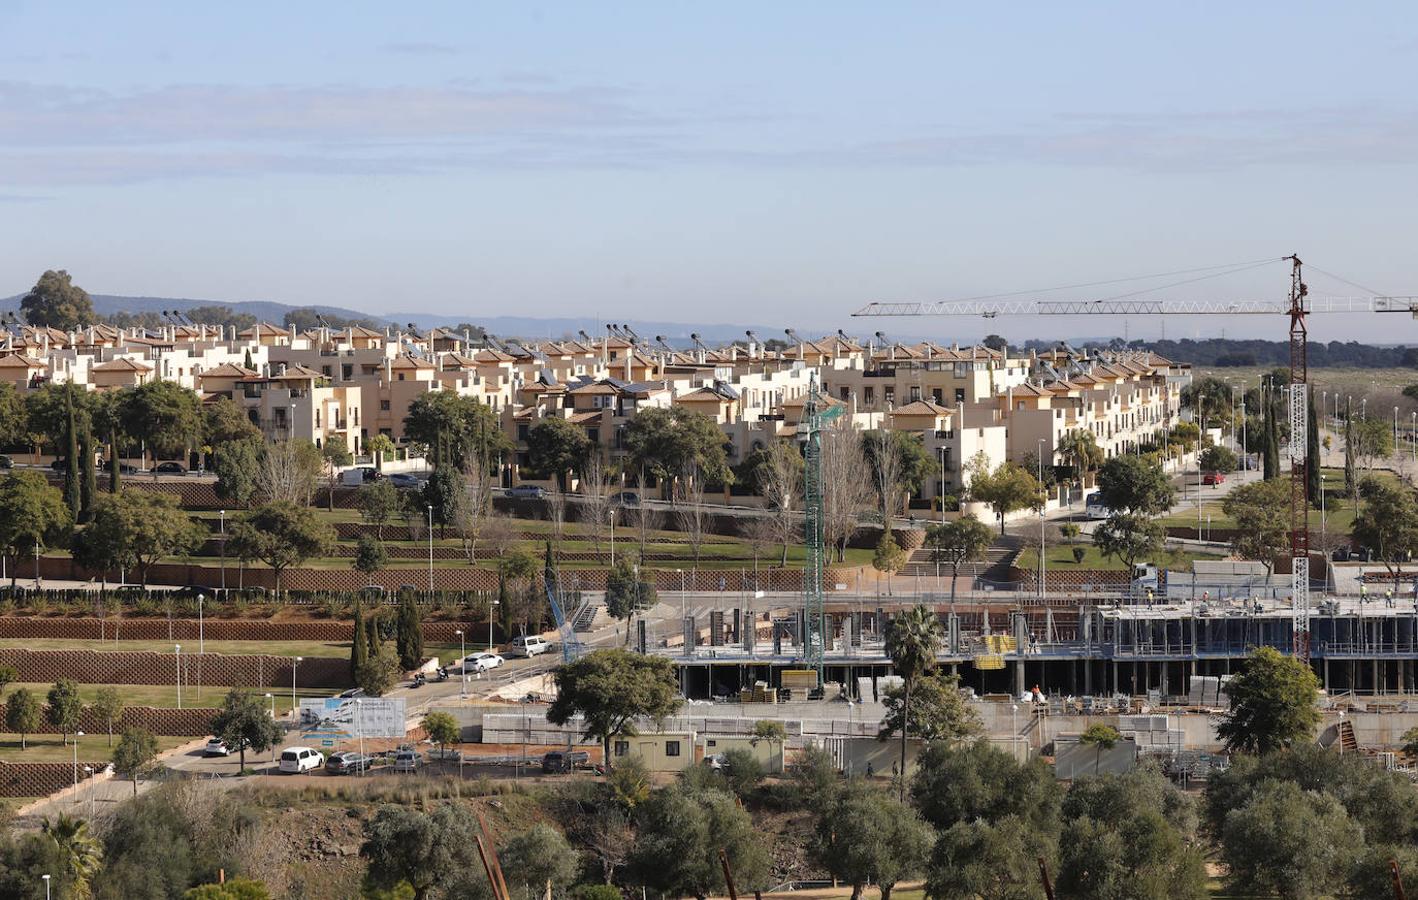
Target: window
889, 395
915, 394
671, 748
845, 395
346, 371
522, 430
622, 748
869, 395
593, 435
937, 396
959, 395
384, 405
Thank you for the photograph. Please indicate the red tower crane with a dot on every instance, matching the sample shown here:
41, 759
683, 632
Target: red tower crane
1297, 306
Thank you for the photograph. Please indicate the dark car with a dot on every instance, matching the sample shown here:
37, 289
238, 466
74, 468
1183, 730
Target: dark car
348, 763
403, 482
170, 468
370, 473
6, 462
527, 490
565, 761
123, 468
60, 465
625, 498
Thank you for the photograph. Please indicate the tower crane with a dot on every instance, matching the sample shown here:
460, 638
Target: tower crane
1296, 307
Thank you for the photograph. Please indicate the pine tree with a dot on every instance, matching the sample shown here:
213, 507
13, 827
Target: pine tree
1312, 454
359, 648
1271, 463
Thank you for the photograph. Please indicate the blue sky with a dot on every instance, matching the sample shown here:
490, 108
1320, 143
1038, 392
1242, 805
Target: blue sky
777, 164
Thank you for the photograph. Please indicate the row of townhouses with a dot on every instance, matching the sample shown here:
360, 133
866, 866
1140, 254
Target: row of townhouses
356, 382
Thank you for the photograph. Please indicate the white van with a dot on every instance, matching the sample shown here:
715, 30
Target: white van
528, 645
295, 760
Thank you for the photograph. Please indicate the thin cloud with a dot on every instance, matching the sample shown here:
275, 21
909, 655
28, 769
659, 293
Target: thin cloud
421, 48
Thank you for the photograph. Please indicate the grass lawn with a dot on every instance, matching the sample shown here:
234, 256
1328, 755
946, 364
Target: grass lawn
1061, 558
1338, 515
1342, 380
49, 747
165, 695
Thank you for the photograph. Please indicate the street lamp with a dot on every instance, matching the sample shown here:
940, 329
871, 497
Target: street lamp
612, 518
941, 448
177, 650
1041, 520
46, 886
77, 735
359, 727
201, 645
463, 654
298, 661
222, 526
89, 774
430, 548
270, 697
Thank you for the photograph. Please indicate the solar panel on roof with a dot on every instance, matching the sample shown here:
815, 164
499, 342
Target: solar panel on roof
547, 378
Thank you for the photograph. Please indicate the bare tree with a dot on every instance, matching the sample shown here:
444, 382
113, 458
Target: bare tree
886, 472
473, 508
595, 497
691, 513
498, 534
289, 470
647, 519
780, 482
556, 514
847, 486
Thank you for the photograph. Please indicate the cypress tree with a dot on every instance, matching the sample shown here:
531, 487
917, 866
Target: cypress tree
71, 473
504, 612
410, 634
1312, 453
359, 648
89, 486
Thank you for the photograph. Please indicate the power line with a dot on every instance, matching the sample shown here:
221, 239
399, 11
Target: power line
1086, 284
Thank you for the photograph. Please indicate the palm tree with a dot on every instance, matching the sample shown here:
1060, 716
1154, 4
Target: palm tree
80, 851
1100, 737
1079, 449
911, 642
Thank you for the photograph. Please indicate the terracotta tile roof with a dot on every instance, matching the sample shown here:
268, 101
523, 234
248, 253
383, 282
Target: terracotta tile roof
408, 361
261, 329
122, 364
20, 361
922, 408
296, 372
227, 370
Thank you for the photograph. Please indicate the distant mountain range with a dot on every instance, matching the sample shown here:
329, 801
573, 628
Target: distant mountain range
510, 326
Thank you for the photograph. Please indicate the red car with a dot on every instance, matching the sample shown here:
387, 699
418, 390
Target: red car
1213, 478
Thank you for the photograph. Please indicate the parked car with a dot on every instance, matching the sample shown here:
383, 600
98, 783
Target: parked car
123, 467
407, 761
625, 498
529, 645
216, 747
564, 761
6, 462
170, 468
1213, 478
403, 481
348, 763
1341, 554
1359, 554
528, 491
295, 760
60, 465
351, 693
481, 662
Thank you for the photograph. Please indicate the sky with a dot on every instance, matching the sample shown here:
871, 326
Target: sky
777, 164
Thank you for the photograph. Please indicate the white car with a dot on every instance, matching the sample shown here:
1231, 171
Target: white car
481, 662
295, 760
529, 645
216, 747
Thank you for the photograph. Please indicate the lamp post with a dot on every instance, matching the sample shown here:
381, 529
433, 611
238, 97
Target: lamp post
463, 654
941, 448
77, 735
298, 661
1041, 520
222, 521
359, 727
89, 774
682, 612
271, 698
177, 650
430, 548
46, 886
201, 644
612, 518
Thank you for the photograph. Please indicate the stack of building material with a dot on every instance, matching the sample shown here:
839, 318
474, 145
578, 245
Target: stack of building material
1152, 734
1208, 691
761, 692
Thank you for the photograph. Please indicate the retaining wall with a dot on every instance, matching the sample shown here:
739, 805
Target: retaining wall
40, 779
190, 722
141, 667
130, 629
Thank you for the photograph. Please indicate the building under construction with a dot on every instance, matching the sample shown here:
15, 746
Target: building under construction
1086, 649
